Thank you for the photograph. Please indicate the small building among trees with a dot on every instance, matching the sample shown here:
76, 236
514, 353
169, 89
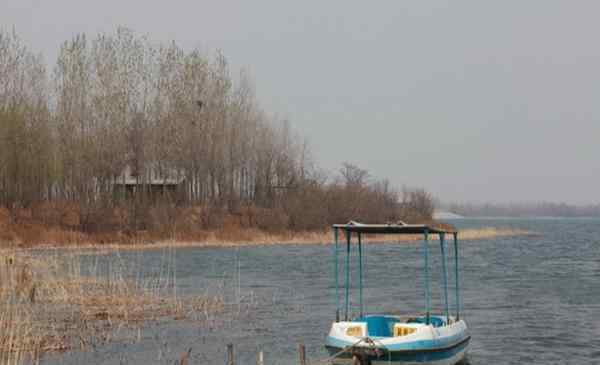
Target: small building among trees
153, 181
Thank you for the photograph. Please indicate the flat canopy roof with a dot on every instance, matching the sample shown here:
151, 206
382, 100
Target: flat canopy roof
394, 228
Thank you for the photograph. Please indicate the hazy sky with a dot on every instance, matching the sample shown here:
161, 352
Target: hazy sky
473, 100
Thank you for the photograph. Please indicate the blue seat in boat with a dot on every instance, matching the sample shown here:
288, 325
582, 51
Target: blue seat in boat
379, 326
434, 320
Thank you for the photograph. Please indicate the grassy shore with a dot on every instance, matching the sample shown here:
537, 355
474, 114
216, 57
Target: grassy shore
249, 237
39, 228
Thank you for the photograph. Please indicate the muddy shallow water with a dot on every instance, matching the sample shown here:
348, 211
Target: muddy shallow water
526, 299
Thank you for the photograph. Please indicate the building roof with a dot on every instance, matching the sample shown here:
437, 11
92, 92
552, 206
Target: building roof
394, 228
150, 174
161, 182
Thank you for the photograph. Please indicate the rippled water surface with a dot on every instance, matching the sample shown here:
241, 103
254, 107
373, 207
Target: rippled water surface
527, 300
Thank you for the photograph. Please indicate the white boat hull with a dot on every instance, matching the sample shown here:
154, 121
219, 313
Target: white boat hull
426, 344
457, 358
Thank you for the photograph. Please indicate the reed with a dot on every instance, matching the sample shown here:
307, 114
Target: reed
17, 333
48, 304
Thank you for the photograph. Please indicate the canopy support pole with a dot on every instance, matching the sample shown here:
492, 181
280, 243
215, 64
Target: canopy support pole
456, 275
426, 263
445, 276
348, 235
360, 273
337, 279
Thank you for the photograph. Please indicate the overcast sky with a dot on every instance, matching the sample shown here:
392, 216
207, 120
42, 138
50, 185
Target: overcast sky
473, 100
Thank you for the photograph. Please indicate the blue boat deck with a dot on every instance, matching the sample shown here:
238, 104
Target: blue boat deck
383, 325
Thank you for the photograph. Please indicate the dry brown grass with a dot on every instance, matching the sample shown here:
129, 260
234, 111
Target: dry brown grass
16, 333
254, 237
47, 304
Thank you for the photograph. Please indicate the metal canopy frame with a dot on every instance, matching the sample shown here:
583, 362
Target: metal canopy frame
359, 229
393, 228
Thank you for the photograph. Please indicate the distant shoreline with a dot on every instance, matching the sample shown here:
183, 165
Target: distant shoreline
522, 218
444, 215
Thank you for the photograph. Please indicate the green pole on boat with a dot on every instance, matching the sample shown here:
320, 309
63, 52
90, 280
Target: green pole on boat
348, 234
336, 274
445, 275
426, 263
456, 275
360, 273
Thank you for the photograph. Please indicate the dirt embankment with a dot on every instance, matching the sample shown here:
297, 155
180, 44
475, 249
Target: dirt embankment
67, 224
64, 226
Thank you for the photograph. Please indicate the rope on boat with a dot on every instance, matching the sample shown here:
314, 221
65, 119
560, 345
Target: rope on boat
330, 358
367, 340
386, 349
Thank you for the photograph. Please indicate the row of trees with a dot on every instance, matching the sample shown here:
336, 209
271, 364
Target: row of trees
119, 102
25, 130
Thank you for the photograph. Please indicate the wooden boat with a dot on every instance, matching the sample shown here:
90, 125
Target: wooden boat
425, 338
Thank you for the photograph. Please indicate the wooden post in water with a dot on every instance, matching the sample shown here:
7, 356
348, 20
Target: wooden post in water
260, 360
230, 359
302, 351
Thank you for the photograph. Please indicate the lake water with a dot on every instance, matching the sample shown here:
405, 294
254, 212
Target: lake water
527, 299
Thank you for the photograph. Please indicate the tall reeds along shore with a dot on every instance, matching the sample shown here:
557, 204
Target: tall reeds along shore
47, 303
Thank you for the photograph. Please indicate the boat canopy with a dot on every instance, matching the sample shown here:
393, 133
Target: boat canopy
353, 228
394, 228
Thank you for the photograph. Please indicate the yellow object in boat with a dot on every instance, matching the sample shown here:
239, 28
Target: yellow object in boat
354, 331
400, 330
